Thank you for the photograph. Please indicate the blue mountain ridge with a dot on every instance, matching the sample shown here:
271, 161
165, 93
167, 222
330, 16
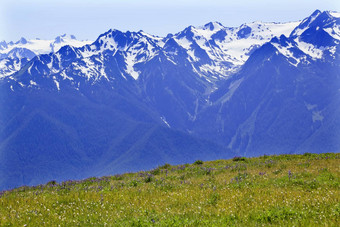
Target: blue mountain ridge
87, 111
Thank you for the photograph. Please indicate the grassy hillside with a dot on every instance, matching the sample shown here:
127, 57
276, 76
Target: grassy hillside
271, 190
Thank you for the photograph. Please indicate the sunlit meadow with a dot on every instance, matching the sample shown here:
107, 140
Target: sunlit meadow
285, 190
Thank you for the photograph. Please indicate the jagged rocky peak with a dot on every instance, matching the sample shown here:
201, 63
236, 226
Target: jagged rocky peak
116, 39
115, 33
205, 31
3, 45
213, 26
62, 38
188, 33
282, 40
316, 13
171, 46
58, 39
323, 19
68, 51
321, 29
22, 41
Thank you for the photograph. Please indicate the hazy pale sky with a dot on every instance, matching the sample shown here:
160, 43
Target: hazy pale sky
87, 19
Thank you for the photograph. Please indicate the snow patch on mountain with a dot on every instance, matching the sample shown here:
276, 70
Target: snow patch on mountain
56, 83
165, 122
8, 66
334, 31
310, 50
317, 116
335, 14
130, 66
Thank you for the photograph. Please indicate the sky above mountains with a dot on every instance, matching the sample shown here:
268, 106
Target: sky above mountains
87, 19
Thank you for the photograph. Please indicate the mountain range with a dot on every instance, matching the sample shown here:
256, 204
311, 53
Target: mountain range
131, 101
14, 55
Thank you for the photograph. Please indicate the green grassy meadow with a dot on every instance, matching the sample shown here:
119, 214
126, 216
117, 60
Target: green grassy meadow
283, 190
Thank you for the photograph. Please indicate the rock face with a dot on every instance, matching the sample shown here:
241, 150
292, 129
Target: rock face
131, 101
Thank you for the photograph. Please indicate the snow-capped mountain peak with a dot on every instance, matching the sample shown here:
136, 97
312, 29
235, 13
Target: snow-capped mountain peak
318, 19
316, 37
